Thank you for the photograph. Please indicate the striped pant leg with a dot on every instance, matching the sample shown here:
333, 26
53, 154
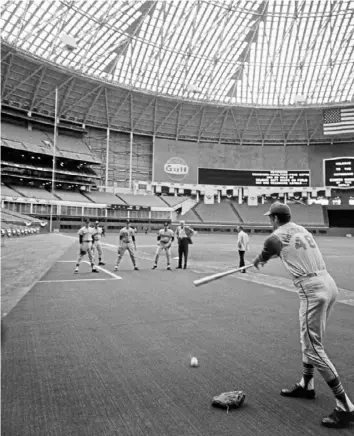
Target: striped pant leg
317, 297
130, 248
121, 251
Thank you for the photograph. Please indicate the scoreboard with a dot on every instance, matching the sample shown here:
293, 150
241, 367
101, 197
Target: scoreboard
339, 172
228, 177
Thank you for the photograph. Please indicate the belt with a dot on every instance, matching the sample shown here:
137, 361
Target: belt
309, 275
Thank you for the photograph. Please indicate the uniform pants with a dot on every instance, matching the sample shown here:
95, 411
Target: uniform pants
182, 251
317, 298
96, 246
162, 248
86, 246
122, 249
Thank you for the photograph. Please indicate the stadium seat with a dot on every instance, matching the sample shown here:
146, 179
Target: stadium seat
216, 213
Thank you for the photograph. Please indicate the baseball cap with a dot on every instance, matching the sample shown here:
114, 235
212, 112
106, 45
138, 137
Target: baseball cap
279, 208
97, 222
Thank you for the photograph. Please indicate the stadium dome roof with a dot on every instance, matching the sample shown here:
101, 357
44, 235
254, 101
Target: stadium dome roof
229, 52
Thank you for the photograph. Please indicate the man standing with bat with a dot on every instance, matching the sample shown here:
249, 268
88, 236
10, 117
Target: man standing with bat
126, 242
318, 292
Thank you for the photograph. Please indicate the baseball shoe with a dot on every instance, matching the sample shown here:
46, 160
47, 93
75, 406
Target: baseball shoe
299, 392
101, 263
95, 270
179, 267
338, 419
136, 268
76, 271
154, 267
185, 267
115, 268
169, 268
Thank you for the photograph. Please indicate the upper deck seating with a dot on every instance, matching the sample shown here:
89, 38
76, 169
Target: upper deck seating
37, 141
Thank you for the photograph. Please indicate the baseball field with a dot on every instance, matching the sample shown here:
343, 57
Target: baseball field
109, 353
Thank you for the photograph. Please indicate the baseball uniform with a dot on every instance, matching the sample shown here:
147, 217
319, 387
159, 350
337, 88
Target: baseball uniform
165, 238
96, 245
318, 292
126, 242
85, 235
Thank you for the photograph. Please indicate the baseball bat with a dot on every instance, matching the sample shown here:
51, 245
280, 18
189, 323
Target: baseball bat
217, 276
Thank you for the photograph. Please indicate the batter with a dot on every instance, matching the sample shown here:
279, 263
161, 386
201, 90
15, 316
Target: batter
318, 292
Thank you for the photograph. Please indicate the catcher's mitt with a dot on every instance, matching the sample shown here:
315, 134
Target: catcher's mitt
229, 400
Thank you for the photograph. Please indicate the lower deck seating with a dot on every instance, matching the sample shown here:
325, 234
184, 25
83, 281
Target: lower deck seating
104, 198
72, 196
142, 200
216, 213
190, 217
39, 193
300, 213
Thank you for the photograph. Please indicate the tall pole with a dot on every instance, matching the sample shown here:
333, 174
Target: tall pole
131, 162
54, 152
107, 157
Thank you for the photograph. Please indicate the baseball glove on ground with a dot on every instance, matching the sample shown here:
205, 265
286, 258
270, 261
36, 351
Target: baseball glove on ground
229, 400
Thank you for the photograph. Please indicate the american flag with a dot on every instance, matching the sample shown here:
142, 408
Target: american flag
338, 121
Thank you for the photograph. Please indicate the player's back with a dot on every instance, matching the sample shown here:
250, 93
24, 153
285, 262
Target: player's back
300, 253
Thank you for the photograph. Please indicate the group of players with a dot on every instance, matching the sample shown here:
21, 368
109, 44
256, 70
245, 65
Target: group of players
90, 244
303, 260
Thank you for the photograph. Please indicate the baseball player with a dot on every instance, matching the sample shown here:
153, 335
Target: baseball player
184, 236
85, 239
242, 245
97, 234
126, 242
318, 292
165, 238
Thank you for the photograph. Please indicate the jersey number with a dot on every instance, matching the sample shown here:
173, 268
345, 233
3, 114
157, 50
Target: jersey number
301, 243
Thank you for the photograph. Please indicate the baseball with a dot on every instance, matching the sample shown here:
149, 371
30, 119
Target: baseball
194, 362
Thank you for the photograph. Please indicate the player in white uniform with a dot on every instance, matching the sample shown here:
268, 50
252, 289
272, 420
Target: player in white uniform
97, 234
165, 238
318, 292
85, 240
126, 242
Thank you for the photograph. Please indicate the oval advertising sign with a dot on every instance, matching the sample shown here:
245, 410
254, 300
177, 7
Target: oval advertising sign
176, 168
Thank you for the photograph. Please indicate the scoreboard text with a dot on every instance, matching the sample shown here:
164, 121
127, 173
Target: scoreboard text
339, 172
226, 177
